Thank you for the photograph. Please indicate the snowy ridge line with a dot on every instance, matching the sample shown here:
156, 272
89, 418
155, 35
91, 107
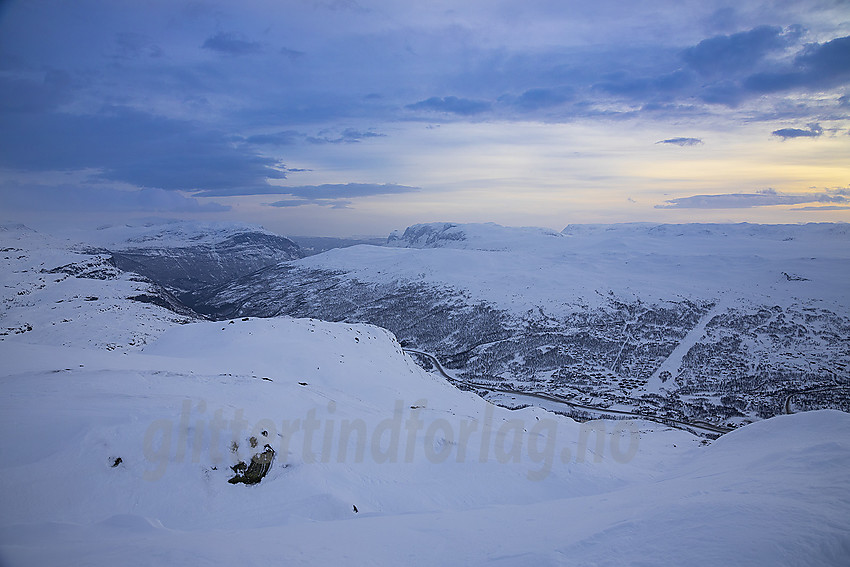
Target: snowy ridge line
684, 425
169, 233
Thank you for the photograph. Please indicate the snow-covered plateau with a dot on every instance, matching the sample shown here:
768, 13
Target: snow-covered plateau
136, 432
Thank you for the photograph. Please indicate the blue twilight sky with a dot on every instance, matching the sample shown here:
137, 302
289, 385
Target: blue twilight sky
340, 117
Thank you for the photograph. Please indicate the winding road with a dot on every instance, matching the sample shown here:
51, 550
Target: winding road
788, 410
687, 426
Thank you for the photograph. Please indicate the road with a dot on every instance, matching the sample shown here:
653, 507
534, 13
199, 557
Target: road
808, 391
687, 426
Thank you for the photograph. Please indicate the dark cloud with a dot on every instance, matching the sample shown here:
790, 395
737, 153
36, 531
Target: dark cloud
828, 62
774, 81
19, 94
744, 65
285, 138
292, 54
818, 66
663, 87
334, 195
731, 69
541, 98
348, 190
131, 45
348, 136
725, 92
327, 191
766, 198
814, 131
133, 147
67, 198
726, 54
339, 5
622, 84
236, 191
232, 44
681, 141
451, 105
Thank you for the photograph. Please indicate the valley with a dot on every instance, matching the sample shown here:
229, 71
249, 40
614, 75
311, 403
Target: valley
723, 348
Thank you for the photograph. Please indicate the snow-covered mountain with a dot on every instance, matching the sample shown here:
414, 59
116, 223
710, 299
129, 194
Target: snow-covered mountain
487, 236
59, 293
185, 256
133, 434
724, 323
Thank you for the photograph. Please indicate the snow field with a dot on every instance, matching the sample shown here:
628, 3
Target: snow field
437, 475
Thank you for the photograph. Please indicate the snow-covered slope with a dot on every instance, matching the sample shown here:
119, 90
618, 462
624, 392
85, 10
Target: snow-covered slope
184, 256
526, 268
165, 233
56, 292
713, 233
111, 457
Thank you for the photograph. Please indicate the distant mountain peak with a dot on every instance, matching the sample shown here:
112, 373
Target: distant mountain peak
472, 236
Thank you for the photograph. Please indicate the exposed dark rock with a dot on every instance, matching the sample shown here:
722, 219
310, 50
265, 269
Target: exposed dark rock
253, 472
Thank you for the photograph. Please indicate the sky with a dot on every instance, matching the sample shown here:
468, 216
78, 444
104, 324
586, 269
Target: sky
358, 117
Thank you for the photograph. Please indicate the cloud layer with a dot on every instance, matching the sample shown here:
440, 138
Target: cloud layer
231, 44
766, 198
813, 131
224, 100
325, 191
87, 198
336, 195
684, 142
133, 147
451, 105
